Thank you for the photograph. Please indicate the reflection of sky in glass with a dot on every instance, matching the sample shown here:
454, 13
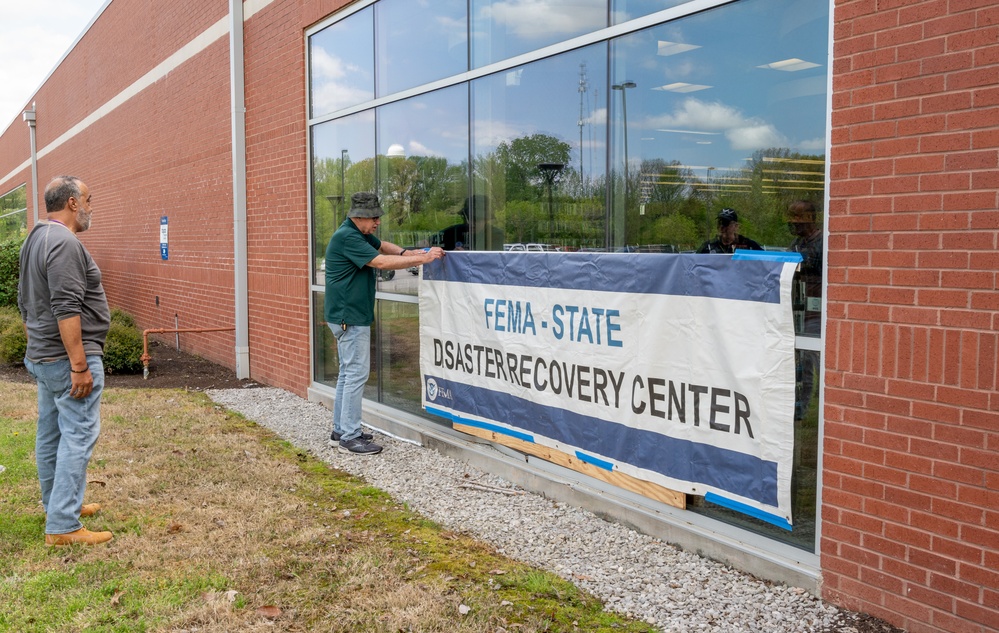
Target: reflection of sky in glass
419, 41
433, 124
624, 10
714, 87
355, 133
544, 98
504, 28
342, 57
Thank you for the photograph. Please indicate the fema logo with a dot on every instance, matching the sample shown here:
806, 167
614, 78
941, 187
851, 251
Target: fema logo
431, 389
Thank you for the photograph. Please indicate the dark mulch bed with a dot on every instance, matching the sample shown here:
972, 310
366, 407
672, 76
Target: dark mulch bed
169, 369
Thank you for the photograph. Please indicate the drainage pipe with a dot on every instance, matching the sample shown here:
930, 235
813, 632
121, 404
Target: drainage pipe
238, 98
145, 358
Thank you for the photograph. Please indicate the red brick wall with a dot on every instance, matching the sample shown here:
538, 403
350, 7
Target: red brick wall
910, 518
167, 151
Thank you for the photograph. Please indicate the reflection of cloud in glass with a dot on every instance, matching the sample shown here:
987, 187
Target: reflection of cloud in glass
752, 137
533, 19
742, 132
332, 89
598, 117
490, 133
325, 66
817, 144
419, 149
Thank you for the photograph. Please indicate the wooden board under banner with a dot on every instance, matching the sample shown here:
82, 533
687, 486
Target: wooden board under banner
621, 480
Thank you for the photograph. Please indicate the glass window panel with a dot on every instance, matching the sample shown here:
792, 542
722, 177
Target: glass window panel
721, 109
506, 28
804, 474
342, 63
13, 213
725, 108
419, 42
423, 175
343, 163
538, 148
325, 358
325, 361
624, 10
399, 357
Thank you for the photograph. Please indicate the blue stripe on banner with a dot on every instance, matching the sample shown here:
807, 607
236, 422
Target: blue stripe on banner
767, 256
495, 428
647, 273
590, 459
756, 513
724, 469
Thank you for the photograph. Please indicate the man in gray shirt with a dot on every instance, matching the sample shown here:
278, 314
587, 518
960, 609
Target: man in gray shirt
66, 317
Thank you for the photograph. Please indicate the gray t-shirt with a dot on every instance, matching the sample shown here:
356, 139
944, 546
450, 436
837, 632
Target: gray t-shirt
60, 280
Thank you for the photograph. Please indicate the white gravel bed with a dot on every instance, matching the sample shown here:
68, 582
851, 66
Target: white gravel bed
634, 574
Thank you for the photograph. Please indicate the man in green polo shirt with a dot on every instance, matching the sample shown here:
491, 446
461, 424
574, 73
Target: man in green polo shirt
352, 256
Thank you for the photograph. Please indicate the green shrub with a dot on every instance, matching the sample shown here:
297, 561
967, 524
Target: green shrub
13, 342
121, 317
123, 349
10, 267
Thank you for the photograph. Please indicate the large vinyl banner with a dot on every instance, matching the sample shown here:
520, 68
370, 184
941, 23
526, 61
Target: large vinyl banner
677, 370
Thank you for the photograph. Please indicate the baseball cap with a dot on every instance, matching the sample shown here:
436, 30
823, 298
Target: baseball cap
727, 216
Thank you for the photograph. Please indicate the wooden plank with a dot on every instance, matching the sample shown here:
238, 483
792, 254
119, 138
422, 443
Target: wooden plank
615, 478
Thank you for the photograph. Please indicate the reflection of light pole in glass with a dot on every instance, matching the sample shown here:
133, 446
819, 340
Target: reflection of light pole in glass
623, 87
549, 171
343, 169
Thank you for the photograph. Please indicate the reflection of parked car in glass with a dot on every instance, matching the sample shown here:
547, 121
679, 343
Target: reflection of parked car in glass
656, 248
543, 248
413, 269
384, 275
514, 247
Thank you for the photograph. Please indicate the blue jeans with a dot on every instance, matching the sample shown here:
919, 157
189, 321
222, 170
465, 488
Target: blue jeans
68, 428
354, 348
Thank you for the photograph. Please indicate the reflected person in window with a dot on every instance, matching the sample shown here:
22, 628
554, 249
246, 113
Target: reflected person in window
352, 256
802, 221
728, 239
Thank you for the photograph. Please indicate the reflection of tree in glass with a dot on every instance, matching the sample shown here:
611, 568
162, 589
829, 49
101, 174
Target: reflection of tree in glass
417, 186
520, 159
13, 213
510, 177
780, 176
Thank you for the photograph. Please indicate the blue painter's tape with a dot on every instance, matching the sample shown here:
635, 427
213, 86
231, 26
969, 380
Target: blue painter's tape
772, 519
590, 459
767, 256
483, 425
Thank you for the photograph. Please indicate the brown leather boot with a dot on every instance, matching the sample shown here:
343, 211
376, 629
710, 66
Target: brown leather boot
89, 509
82, 536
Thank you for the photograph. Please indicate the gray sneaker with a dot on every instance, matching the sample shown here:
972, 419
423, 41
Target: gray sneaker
359, 446
335, 438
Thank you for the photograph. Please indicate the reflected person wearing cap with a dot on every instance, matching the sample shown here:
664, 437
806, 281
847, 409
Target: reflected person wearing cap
728, 239
352, 256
